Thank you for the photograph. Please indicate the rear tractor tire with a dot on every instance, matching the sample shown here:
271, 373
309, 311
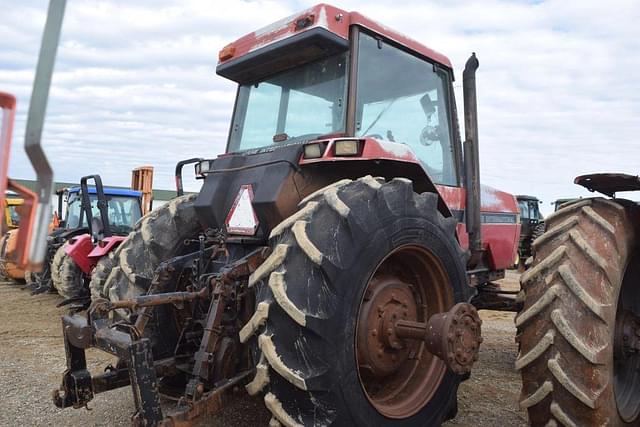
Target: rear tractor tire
357, 255
128, 271
579, 329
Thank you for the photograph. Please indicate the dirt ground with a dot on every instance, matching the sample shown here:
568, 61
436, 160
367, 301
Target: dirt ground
32, 360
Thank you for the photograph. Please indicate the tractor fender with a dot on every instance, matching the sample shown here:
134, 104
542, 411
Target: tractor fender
78, 248
104, 247
85, 254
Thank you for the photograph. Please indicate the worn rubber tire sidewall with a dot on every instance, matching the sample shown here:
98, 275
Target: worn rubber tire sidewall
379, 220
405, 231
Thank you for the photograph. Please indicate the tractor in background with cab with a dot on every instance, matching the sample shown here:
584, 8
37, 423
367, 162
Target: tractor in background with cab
98, 219
11, 222
67, 275
531, 227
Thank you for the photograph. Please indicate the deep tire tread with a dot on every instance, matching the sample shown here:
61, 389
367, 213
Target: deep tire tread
565, 326
294, 238
70, 282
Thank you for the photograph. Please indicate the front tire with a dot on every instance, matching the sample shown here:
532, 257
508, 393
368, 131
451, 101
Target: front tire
581, 284
56, 265
70, 278
352, 243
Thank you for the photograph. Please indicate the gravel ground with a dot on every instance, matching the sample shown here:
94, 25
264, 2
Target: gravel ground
32, 361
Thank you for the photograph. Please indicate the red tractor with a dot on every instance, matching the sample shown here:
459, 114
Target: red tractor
99, 219
330, 259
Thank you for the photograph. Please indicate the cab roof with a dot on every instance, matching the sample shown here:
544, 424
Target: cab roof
14, 201
336, 21
108, 191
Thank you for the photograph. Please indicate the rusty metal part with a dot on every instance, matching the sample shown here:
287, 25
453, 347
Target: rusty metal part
209, 404
236, 271
204, 355
243, 267
399, 376
103, 304
453, 336
609, 183
386, 301
215, 365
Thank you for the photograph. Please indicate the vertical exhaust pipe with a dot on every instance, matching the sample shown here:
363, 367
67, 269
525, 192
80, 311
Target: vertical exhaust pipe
472, 157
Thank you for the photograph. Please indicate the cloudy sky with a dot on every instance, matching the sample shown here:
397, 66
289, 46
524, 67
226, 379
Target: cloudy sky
135, 82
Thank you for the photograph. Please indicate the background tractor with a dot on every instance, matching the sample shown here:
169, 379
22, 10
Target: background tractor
557, 204
11, 222
329, 261
11, 216
124, 208
531, 227
579, 328
97, 219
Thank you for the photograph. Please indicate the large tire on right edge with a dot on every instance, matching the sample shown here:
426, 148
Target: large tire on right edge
354, 251
576, 370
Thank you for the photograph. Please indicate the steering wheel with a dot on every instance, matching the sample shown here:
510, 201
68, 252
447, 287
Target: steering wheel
429, 135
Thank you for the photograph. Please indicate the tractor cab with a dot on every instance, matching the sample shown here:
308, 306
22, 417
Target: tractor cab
98, 219
530, 215
11, 215
331, 75
531, 227
558, 204
328, 95
124, 208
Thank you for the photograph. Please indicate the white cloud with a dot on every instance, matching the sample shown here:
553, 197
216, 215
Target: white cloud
136, 84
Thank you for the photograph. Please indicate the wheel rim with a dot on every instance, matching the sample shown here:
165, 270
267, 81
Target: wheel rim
626, 356
400, 377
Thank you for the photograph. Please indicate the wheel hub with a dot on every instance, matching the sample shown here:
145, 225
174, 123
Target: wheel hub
381, 351
454, 336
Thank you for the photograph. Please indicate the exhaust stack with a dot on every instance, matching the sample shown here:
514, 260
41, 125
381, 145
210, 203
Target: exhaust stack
472, 157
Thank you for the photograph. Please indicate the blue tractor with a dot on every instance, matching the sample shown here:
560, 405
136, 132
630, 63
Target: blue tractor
107, 213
